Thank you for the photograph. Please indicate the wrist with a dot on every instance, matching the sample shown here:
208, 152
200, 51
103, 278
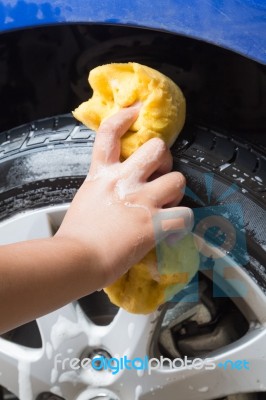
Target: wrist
86, 272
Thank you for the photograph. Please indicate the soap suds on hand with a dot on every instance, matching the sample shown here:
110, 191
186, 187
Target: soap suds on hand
167, 269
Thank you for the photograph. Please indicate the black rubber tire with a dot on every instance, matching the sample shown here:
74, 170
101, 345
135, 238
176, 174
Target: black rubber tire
44, 163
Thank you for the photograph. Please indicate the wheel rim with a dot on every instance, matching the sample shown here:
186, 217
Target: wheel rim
68, 332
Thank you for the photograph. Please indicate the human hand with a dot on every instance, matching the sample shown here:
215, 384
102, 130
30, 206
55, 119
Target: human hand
111, 217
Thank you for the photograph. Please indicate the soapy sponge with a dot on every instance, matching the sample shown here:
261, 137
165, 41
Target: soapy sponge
141, 290
166, 270
120, 85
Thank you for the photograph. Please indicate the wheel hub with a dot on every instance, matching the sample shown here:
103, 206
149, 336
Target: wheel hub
96, 356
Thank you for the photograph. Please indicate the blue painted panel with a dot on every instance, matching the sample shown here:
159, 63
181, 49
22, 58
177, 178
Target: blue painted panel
239, 25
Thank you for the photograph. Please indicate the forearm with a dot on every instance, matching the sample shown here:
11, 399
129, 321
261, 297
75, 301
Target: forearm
40, 276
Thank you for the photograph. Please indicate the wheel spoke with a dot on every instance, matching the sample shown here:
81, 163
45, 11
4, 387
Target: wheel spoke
129, 334
26, 372
67, 334
16, 368
59, 325
64, 336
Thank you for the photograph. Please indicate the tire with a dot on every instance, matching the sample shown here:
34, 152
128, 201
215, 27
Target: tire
238, 173
44, 163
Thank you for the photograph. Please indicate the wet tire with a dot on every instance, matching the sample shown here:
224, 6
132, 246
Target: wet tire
44, 163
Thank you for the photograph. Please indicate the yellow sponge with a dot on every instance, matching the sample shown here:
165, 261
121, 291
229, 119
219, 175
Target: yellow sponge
147, 284
120, 85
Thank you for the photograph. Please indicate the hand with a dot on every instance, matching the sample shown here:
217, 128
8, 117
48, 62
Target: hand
108, 228
111, 217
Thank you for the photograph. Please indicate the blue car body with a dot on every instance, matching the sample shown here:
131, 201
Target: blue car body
238, 25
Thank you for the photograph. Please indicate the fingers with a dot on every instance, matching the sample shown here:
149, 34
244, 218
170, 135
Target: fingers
107, 143
167, 190
173, 223
153, 156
